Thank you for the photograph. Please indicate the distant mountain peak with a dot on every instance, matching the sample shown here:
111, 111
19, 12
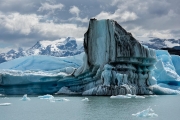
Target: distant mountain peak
157, 43
58, 48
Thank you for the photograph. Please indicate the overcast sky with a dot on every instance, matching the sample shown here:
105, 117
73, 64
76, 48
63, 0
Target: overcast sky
24, 22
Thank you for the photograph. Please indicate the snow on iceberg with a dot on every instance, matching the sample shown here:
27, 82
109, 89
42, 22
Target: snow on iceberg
146, 113
5, 104
25, 98
47, 97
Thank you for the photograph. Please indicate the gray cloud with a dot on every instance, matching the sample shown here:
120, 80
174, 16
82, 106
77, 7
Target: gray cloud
24, 22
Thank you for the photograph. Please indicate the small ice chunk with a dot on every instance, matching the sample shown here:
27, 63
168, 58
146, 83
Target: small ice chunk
47, 97
62, 99
120, 96
85, 99
146, 113
139, 96
5, 104
25, 98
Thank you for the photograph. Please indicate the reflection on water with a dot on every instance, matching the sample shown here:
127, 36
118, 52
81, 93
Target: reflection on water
97, 108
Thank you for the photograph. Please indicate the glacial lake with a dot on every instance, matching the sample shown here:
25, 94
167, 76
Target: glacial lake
97, 108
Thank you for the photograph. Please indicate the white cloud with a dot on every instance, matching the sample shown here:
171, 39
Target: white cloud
49, 7
74, 10
26, 24
145, 33
83, 20
60, 30
118, 15
16, 22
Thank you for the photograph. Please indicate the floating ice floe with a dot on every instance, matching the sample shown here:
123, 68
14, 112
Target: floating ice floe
120, 96
85, 99
127, 96
139, 97
25, 98
146, 113
5, 104
47, 97
61, 99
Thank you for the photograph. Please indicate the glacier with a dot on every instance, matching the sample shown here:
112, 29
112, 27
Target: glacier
36, 74
43, 62
114, 63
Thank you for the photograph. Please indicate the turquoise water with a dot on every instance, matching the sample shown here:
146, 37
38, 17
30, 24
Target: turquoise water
98, 108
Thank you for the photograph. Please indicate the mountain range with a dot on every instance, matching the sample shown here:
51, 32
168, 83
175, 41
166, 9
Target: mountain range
59, 48
70, 46
157, 43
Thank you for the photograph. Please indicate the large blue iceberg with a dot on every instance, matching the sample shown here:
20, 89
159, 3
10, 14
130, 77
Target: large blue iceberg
114, 63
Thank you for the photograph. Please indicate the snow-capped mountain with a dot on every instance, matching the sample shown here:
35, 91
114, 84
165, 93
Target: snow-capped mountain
58, 48
157, 43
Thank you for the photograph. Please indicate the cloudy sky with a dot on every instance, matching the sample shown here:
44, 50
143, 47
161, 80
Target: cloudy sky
24, 22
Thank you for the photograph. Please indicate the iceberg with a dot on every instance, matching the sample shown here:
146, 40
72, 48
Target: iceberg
25, 98
114, 64
166, 73
36, 74
148, 113
43, 62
